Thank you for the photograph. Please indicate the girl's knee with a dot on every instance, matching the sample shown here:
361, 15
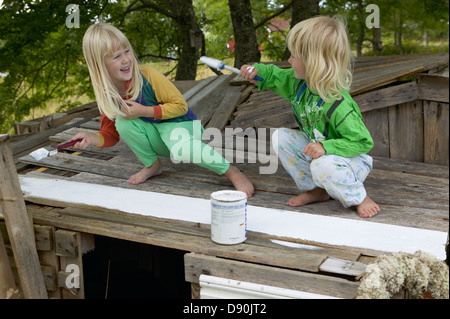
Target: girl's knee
324, 165
280, 137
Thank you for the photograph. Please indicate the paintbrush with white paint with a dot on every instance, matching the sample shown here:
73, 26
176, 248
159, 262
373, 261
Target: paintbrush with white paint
219, 65
52, 150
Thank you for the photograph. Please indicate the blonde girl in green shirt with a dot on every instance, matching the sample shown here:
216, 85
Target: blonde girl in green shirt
327, 156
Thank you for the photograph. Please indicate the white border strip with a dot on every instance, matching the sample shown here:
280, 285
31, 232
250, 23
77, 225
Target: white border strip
212, 287
322, 229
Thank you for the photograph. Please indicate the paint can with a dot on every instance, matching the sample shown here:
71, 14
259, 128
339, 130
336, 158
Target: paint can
228, 217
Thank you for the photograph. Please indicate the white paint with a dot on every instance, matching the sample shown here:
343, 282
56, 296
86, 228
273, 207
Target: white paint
228, 217
310, 227
294, 245
212, 287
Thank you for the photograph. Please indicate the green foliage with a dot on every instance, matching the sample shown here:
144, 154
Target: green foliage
407, 25
41, 59
214, 19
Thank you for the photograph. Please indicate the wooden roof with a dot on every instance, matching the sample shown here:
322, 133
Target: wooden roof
218, 100
409, 194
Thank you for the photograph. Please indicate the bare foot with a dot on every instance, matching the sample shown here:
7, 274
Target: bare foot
146, 173
239, 180
316, 195
368, 208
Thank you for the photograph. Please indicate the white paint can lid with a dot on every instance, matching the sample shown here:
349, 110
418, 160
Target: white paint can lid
228, 196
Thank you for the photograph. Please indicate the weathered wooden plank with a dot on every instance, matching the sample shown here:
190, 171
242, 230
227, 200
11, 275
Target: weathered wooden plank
196, 264
283, 118
225, 108
38, 139
382, 98
200, 86
19, 226
204, 103
113, 226
377, 122
66, 243
70, 278
7, 285
344, 267
404, 190
260, 101
185, 85
109, 168
406, 131
254, 238
265, 220
433, 88
436, 133
249, 119
48, 258
365, 80
408, 167
44, 237
393, 212
82, 164
92, 125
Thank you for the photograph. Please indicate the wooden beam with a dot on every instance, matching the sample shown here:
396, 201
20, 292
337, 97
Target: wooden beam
390, 96
197, 264
19, 226
344, 267
31, 143
205, 102
7, 284
225, 108
433, 88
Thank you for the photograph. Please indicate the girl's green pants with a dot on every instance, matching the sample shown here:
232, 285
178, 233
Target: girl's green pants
181, 141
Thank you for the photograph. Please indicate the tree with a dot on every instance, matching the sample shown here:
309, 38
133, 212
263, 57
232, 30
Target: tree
182, 12
214, 19
246, 46
40, 56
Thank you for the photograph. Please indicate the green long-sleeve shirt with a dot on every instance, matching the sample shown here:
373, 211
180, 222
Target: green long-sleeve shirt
337, 125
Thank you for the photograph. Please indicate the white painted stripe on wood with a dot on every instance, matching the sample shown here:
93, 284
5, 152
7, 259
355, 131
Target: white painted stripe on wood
212, 287
322, 229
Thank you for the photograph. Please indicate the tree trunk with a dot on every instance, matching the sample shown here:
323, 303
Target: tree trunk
361, 29
191, 38
182, 12
246, 46
302, 10
377, 44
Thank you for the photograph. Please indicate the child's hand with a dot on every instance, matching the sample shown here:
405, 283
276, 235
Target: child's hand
314, 150
136, 110
87, 139
248, 72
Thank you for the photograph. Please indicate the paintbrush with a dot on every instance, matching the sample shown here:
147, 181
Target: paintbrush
219, 65
52, 150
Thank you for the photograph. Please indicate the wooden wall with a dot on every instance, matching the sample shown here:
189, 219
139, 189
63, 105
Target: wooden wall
50, 121
409, 121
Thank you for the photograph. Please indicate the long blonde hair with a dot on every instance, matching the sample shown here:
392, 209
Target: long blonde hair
322, 45
100, 40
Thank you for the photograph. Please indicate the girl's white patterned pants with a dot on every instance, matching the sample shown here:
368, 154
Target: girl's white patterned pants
341, 177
